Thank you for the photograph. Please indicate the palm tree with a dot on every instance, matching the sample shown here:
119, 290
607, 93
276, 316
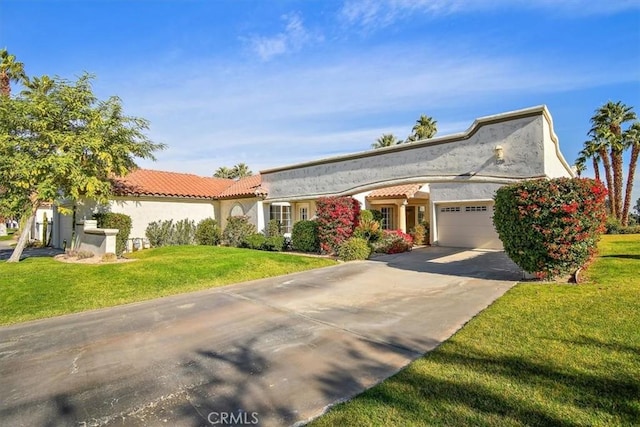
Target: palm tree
10, 71
386, 140
37, 84
424, 128
590, 151
223, 172
580, 164
607, 127
241, 170
632, 139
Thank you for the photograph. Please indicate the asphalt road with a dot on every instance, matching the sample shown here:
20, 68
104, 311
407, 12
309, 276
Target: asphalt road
270, 352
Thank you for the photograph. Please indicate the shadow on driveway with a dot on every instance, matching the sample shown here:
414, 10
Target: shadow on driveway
474, 263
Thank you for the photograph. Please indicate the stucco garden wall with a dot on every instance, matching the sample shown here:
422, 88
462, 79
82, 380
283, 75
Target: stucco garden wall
523, 135
142, 210
146, 210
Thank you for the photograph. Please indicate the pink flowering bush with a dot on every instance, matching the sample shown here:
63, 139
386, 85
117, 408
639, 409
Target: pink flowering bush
551, 227
393, 242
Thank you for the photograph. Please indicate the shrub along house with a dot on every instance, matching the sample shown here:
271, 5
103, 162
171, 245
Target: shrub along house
448, 181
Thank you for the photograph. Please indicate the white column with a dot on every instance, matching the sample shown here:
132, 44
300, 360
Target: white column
260, 208
403, 216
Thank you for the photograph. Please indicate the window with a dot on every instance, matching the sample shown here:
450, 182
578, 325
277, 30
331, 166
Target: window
282, 214
387, 218
450, 209
304, 214
475, 209
422, 214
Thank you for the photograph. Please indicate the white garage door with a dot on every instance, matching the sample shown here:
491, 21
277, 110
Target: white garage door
467, 225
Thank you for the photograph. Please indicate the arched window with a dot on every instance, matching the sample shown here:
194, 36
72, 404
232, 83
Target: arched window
237, 210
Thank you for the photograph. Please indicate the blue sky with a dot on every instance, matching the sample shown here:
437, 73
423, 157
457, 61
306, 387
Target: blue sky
271, 83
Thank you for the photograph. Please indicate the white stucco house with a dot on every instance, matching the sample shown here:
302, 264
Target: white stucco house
448, 181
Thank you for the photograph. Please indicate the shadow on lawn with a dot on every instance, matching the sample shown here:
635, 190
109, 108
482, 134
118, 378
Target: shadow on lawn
459, 401
621, 256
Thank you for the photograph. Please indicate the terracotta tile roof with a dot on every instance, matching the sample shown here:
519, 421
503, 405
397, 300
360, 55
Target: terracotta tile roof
146, 182
405, 191
247, 186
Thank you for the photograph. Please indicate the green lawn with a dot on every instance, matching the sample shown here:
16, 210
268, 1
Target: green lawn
42, 287
543, 355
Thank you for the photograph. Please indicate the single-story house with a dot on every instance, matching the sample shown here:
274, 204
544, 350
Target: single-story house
448, 181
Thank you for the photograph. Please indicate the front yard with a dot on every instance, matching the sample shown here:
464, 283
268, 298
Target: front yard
37, 288
541, 355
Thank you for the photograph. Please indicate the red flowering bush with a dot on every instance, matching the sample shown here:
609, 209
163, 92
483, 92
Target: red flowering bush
393, 242
551, 227
337, 217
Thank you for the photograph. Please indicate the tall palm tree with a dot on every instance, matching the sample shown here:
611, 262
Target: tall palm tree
632, 139
590, 151
10, 71
223, 172
607, 126
386, 140
38, 84
424, 128
241, 170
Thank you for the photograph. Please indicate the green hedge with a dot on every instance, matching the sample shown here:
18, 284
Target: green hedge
237, 230
116, 220
208, 232
304, 236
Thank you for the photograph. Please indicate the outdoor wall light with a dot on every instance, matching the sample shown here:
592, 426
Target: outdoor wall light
499, 153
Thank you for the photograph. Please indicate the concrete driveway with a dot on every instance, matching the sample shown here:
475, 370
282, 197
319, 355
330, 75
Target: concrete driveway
275, 351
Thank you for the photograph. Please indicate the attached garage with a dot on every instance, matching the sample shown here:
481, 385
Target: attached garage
466, 225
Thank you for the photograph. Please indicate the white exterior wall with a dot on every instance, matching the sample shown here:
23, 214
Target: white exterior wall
142, 210
555, 165
251, 207
38, 225
146, 210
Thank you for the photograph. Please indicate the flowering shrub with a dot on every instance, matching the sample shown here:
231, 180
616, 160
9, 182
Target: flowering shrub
393, 242
337, 218
551, 227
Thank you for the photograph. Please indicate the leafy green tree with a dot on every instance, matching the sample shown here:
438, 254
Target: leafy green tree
386, 140
10, 71
59, 141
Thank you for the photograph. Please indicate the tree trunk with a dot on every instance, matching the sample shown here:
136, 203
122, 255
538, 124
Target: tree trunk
633, 162
3, 227
616, 163
606, 162
24, 235
596, 168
